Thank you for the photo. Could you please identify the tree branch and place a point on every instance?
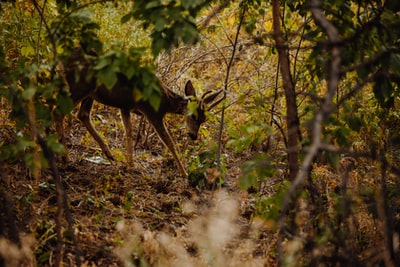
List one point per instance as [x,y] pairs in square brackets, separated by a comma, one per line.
[234,47]
[214,12]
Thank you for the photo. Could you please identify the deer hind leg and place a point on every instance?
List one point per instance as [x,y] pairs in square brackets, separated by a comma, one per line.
[143,133]
[84,117]
[126,119]
[141,129]
[168,142]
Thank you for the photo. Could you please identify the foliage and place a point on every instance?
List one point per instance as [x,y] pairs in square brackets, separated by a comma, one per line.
[248,136]
[170,21]
[269,208]
[255,171]
[203,172]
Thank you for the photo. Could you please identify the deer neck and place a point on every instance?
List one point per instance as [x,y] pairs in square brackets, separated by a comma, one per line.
[172,102]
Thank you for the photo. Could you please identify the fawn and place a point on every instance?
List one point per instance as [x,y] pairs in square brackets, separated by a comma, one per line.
[85,91]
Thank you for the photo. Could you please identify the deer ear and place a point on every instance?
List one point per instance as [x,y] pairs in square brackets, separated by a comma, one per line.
[210,97]
[189,89]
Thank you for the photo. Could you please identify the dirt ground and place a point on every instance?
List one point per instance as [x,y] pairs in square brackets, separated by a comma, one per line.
[115,206]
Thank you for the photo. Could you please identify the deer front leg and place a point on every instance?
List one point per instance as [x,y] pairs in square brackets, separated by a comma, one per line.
[84,117]
[126,119]
[159,126]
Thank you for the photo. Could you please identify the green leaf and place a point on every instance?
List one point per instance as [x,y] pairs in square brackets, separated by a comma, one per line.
[65,104]
[192,108]
[25,142]
[152,4]
[395,63]
[333,159]
[159,45]
[130,71]
[160,24]
[27,51]
[383,91]
[269,207]
[248,181]
[126,18]
[187,4]
[108,78]
[84,15]
[102,63]
[29,93]
[189,33]
[256,170]
[155,101]
[341,135]
[355,123]
[54,145]
[234,133]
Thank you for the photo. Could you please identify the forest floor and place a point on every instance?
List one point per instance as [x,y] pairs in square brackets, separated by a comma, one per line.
[147,214]
[144,213]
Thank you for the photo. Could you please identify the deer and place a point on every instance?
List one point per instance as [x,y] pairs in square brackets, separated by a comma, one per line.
[85,91]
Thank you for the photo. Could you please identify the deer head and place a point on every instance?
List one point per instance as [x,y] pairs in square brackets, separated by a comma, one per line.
[196,118]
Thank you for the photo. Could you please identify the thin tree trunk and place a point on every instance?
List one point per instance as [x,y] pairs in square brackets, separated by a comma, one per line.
[292,119]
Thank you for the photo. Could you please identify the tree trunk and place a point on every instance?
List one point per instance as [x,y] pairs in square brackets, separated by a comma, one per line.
[292,120]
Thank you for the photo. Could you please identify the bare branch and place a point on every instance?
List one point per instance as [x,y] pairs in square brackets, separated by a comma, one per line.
[234,47]
[214,12]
